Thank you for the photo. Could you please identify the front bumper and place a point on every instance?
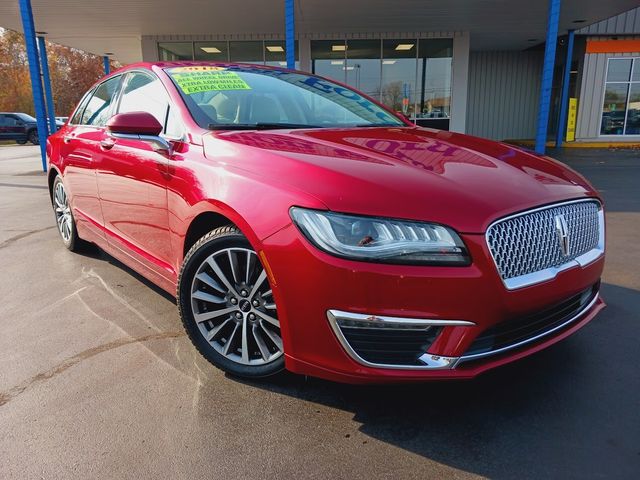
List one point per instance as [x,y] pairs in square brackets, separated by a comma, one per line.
[310,283]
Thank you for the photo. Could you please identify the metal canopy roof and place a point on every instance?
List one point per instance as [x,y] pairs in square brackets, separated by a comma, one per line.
[118,25]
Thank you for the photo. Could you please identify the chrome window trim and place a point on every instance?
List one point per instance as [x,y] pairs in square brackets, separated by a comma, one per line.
[475,356]
[431,362]
[540,276]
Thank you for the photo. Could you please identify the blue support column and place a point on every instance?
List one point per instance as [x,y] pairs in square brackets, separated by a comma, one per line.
[107,65]
[34,72]
[564,100]
[46,80]
[547,75]
[289,33]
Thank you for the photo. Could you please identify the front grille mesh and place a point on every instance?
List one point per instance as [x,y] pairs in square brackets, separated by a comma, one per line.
[530,243]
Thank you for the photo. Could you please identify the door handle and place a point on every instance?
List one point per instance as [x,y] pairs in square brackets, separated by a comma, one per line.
[67,139]
[107,143]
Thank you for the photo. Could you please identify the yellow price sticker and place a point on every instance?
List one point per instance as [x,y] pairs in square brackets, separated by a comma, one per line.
[207,79]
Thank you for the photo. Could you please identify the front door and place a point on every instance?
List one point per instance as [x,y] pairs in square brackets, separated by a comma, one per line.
[132,179]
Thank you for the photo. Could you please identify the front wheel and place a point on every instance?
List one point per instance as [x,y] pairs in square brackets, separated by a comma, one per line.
[227,306]
[21,141]
[33,137]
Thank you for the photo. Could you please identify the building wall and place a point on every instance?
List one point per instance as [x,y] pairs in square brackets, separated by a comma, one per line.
[503,94]
[594,73]
[627,22]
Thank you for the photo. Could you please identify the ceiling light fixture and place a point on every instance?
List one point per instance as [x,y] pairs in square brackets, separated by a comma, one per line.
[210,49]
[388,62]
[337,62]
[404,46]
[338,48]
[275,48]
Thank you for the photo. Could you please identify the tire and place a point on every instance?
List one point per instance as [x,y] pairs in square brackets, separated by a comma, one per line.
[32,136]
[227,306]
[21,141]
[64,217]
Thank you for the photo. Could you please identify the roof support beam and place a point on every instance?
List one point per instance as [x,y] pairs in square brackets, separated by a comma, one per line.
[564,100]
[547,75]
[34,72]
[46,80]
[289,24]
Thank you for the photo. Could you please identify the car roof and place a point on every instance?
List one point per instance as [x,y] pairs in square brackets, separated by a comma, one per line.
[193,63]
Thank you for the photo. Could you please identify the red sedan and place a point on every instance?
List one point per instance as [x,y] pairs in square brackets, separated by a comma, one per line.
[302,225]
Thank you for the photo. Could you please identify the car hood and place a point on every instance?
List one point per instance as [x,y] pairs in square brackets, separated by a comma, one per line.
[413,173]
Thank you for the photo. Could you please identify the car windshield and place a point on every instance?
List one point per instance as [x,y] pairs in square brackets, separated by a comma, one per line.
[25,118]
[246,97]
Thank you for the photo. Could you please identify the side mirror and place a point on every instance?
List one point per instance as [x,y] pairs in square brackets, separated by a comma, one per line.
[139,126]
[135,123]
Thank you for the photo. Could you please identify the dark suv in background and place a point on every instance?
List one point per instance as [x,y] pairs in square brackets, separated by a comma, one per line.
[20,127]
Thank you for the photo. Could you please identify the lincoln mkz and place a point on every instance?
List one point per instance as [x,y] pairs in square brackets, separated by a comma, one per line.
[302,225]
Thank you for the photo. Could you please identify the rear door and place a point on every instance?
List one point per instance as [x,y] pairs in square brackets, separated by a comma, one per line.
[81,152]
[132,180]
[4,127]
[11,127]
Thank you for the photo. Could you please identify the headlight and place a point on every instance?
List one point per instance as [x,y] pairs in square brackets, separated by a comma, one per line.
[382,240]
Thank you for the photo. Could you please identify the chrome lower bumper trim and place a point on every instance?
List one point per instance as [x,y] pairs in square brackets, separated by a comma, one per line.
[476,356]
[431,362]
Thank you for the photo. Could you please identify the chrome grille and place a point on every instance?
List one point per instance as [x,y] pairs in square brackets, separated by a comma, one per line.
[530,242]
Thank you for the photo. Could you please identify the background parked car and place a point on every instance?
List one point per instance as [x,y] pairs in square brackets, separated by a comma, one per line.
[21,127]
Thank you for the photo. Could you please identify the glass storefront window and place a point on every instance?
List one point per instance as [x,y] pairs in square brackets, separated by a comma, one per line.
[212,51]
[434,78]
[246,52]
[633,113]
[275,53]
[621,106]
[328,58]
[412,76]
[398,86]
[362,66]
[172,51]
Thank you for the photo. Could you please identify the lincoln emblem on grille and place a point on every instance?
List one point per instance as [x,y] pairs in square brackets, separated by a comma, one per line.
[563,233]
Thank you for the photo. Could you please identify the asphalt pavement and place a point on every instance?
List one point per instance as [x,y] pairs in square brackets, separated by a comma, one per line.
[97,379]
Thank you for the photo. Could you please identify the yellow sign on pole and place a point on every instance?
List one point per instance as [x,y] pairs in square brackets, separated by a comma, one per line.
[571,119]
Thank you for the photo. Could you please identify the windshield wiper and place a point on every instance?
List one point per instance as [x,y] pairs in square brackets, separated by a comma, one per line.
[257,126]
[381,125]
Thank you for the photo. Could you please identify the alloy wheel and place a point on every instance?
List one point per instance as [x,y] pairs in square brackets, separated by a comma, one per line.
[63,212]
[234,309]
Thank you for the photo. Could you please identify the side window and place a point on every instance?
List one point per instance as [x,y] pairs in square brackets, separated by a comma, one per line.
[11,121]
[77,115]
[3,121]
[145,93]
[97,111]
[173,128]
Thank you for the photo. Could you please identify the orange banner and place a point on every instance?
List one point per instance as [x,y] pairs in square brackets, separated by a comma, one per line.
[613,46]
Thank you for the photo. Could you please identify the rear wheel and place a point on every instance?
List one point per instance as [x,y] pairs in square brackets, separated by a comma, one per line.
[64,218]
[21,141]
[227,306]
[33,137]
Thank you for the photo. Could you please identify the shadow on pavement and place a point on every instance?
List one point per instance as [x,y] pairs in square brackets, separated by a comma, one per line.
[566,412]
